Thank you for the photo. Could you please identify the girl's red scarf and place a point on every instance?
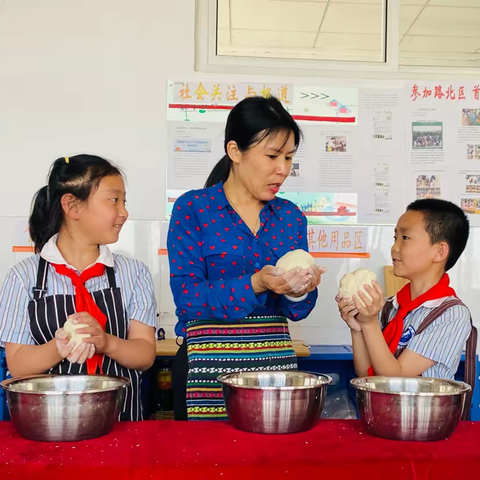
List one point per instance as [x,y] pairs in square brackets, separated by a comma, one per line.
[84,303]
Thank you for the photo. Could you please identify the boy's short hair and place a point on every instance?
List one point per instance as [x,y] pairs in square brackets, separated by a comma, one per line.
[444,222]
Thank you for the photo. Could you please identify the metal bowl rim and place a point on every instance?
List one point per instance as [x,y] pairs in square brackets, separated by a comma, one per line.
[223,380]
[464,387]
[7,385]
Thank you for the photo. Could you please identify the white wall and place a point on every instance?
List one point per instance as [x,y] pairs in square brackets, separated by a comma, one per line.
[90,76]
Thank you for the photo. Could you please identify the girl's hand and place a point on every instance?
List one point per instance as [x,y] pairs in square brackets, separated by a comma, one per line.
[66,348]
[98,339]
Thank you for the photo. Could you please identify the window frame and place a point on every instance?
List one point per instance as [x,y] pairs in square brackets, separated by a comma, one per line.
[207,60]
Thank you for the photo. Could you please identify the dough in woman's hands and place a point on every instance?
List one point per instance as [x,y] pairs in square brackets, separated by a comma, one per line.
[296,258]
[71,330]
[354,282]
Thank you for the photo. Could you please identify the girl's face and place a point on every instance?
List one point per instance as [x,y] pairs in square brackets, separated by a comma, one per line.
[102,216]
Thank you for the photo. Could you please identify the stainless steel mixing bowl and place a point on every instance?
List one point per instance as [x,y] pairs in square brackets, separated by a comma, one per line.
[274,402]
[418,409]
[65,408]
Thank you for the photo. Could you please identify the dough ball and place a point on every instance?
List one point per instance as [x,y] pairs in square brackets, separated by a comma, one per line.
[353,282]
[71,331]
[295,258]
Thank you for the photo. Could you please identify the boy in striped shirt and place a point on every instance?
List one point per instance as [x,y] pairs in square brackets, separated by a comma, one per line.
[425,326]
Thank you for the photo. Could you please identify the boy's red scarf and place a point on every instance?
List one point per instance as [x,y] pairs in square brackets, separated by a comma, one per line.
[393,331]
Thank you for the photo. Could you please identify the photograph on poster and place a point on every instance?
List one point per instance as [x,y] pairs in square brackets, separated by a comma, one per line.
[472,183]
[470,205]
[428,186]
[336,144]
[427,135]
[470,117]
[295,171]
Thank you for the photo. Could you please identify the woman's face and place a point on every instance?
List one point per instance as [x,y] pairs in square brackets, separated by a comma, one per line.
[263,168]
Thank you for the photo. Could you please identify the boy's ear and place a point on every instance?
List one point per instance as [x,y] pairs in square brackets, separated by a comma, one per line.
[442,252]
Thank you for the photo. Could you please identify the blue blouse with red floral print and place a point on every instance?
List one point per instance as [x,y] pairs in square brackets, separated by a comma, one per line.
[213,255]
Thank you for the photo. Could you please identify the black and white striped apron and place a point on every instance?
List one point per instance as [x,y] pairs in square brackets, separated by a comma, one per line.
[48,313]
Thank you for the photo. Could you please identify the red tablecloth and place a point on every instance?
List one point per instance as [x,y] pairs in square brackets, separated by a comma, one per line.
[197,450]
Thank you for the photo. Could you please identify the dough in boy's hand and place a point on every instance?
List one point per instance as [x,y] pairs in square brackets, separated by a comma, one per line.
[71,330]
[354,282]
[296,258]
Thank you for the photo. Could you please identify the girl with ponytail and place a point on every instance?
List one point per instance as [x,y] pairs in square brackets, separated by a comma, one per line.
[74,275]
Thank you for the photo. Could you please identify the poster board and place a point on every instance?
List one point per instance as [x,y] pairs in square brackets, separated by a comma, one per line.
[366,152]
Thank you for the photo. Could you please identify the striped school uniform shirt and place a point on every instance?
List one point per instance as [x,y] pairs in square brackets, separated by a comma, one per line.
[442,342]
[132,277]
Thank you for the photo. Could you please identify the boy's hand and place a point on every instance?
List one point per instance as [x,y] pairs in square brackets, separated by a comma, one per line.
[368,310]
[348,311]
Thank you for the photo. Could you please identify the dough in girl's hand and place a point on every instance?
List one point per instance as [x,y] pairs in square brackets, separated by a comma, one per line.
[296,258]
[354,282]
[71,330]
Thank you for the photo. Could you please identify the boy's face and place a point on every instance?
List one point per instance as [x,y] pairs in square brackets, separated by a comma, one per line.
[413,253]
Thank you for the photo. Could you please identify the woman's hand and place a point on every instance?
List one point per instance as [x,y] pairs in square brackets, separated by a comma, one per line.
[313,278]
[348,312]
[316,279]
[297,282]
[98,339]
[66,348]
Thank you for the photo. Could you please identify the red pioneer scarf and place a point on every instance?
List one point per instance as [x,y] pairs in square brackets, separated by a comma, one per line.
[393,331]
[84,303]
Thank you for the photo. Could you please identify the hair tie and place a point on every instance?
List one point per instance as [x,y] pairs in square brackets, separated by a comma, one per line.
[67,160]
